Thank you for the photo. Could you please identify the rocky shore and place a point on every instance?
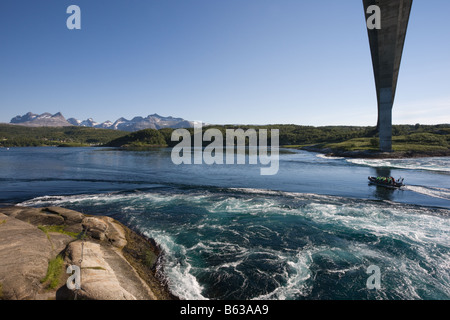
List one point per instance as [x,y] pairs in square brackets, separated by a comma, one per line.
[37,245]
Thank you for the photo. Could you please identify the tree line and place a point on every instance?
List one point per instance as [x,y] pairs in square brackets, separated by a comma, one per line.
[289,135]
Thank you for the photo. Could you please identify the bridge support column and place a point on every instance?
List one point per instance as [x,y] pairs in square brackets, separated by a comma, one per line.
[385,119]
[386,46]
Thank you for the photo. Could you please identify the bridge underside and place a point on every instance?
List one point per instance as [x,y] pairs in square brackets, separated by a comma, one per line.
[386,46]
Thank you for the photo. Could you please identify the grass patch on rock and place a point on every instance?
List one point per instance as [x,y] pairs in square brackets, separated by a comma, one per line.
[54,272]
[58,229]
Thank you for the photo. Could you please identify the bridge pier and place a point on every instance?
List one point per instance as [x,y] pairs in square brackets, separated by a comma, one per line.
[385,104]
[386,46]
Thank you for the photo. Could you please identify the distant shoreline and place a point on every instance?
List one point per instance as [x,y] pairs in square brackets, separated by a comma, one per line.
[423,138]
[357,154]
[369,154]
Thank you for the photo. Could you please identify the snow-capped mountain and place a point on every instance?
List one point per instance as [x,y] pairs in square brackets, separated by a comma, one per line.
[153,121]
[74,122]
[41,120]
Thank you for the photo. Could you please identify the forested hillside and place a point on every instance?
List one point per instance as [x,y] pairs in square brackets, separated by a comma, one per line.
[20,136]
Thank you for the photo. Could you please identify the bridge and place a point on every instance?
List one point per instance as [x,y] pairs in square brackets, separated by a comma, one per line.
[386,46]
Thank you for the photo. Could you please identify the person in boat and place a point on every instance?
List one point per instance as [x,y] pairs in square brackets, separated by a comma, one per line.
[381,180]
[389,181]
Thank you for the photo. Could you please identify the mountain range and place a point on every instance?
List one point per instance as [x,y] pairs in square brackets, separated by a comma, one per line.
[153,121]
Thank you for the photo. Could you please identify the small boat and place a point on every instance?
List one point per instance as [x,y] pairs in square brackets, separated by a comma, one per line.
[387,182]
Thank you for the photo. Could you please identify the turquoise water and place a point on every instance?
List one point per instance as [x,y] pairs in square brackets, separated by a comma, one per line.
[310,232]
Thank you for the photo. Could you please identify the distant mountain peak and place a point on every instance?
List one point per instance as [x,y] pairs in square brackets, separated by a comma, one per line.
[45,119]
[152,121]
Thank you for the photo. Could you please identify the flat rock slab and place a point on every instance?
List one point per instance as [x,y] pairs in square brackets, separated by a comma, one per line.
[24,254]
[105,274]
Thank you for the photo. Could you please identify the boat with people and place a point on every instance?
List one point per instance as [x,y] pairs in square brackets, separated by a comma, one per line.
[387,182]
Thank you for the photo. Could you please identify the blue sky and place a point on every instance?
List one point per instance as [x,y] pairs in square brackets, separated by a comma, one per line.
[218,61]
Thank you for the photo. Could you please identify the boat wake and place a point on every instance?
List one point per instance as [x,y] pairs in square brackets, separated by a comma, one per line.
[441,193]
[427,164]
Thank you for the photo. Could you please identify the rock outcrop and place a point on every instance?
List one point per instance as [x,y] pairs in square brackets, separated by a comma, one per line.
[38,244]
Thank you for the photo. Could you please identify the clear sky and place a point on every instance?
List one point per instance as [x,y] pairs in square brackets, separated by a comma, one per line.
[218,61]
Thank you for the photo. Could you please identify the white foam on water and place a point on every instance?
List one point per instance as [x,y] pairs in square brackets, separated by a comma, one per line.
[442,193]
[136,199]
[234,204]
[257,191]
[296,275]
[429,164]
[295,195]
[58,200]
[324,156]
[178,271]
[382,220]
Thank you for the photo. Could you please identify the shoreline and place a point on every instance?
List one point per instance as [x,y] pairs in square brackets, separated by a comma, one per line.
[330,152]
[368,154]
[136,260]
[38,244]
